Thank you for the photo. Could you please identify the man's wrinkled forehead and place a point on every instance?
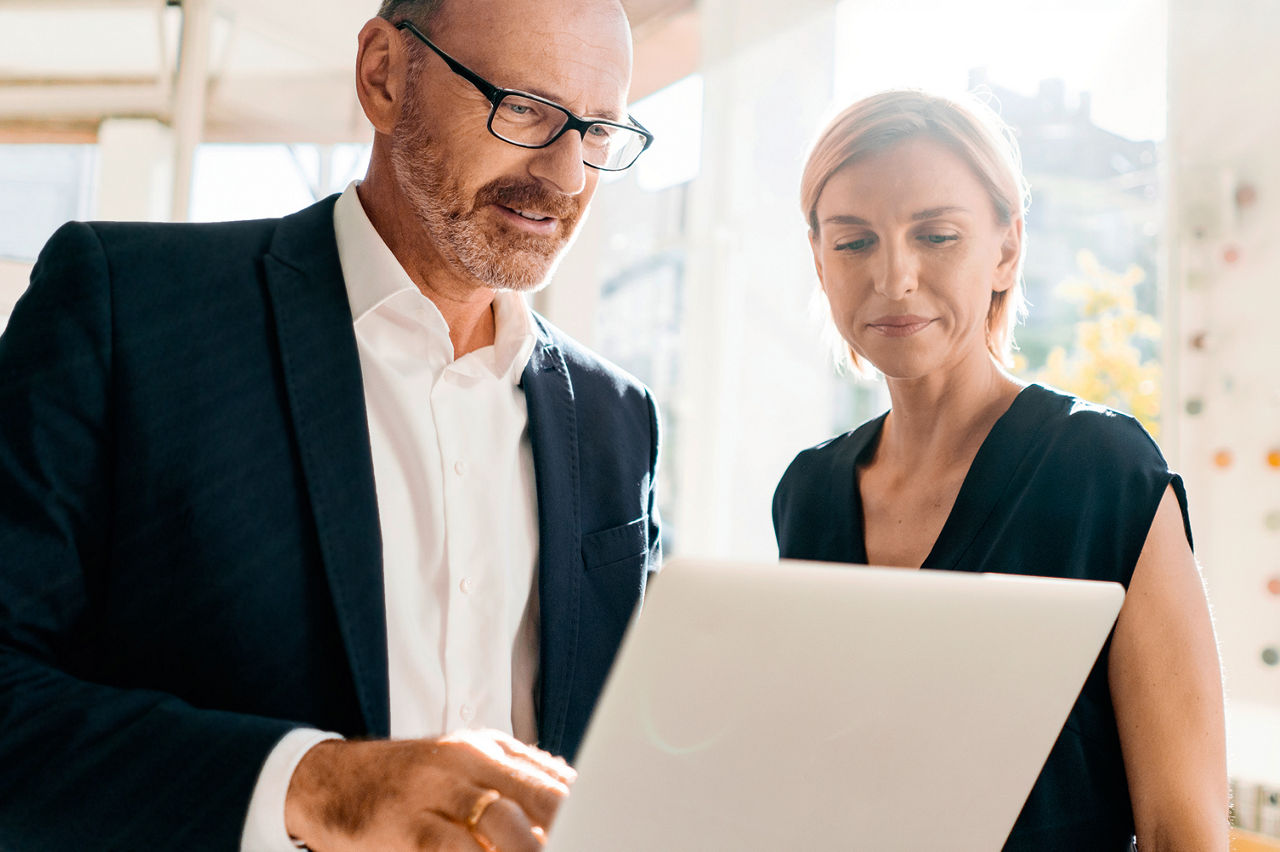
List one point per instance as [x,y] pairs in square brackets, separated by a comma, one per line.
[574,52]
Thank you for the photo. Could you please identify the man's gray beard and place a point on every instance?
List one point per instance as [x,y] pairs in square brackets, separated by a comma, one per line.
[438,202]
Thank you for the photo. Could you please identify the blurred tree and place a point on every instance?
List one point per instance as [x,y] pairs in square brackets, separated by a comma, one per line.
[1114,359]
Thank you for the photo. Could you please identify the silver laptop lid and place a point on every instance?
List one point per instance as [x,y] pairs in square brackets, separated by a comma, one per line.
[800,705]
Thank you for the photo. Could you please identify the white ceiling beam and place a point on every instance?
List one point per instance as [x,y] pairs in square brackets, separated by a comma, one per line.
[23,100]
[74,5]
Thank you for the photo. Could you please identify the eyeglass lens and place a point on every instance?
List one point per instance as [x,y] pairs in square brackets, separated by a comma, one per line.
[532,123]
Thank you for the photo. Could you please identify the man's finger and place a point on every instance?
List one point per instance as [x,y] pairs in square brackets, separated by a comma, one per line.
[549,763]
[486,763]
[505,826]
[437,832]
[539,796]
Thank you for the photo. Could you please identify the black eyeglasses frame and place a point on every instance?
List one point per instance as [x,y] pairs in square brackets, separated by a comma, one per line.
[495,95]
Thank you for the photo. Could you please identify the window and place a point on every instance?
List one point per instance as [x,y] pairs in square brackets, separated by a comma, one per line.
[1091,151]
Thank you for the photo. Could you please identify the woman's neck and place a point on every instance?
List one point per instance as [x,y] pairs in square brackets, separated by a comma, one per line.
[940,420]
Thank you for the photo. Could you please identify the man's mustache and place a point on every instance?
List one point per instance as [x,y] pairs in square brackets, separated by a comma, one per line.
[529,196]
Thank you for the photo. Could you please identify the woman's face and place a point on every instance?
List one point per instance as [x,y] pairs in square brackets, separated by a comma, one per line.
[909,251]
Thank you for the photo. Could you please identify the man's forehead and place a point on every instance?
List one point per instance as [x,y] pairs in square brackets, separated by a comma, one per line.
[575,52]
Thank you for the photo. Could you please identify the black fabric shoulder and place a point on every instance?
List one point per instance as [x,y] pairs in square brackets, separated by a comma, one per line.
[583,363]
[1104,435]
[1108,460]
[813,505]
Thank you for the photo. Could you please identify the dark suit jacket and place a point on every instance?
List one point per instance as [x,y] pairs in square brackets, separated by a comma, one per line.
[190,557]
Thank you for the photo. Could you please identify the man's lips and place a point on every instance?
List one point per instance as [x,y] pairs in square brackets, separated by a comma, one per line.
[899,325]
[521,218]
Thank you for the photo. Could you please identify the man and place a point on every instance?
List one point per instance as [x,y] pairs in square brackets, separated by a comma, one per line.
[268,484]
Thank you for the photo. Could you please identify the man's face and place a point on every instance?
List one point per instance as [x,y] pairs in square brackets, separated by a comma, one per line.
[500,214]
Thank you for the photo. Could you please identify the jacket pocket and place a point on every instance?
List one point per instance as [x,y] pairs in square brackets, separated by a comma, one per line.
[615,544]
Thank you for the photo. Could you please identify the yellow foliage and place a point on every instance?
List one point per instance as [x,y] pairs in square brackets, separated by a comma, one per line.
[1103,364]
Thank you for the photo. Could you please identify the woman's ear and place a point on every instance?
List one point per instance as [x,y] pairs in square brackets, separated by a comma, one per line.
[1010,253]
[381,63]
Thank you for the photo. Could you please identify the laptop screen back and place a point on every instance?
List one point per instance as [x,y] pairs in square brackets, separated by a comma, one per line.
[807,706]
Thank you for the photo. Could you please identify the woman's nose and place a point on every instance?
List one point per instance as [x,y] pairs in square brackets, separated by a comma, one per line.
[897,275]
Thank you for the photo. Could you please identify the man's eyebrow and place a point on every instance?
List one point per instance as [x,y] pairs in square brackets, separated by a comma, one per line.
[845,219]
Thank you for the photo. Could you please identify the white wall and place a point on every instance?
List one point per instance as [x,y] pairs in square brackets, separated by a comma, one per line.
[1223,345]
[759,388]
[13,280]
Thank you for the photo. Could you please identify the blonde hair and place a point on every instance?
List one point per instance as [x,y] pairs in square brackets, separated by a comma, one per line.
[965,125]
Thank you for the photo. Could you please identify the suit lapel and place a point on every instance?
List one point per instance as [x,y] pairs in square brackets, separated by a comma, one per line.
[553,434]
[326,401]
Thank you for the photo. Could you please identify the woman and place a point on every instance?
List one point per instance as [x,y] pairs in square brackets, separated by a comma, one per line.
[915,206]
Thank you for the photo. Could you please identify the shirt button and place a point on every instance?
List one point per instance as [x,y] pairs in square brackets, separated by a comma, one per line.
[466,585]
[460,467]
[467,712]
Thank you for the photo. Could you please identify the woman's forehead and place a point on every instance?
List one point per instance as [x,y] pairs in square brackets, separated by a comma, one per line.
[919,173]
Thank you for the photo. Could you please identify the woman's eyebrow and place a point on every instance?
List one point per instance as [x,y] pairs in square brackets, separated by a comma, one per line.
[934,212]
[931,213]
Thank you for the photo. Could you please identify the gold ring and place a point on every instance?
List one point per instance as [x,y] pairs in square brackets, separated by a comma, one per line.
[487,798]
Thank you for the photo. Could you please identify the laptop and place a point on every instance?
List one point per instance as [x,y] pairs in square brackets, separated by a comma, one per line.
[801,705]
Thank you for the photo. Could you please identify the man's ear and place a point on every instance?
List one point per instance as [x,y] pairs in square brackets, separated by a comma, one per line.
[1010,253]
[817,258]
[381,65]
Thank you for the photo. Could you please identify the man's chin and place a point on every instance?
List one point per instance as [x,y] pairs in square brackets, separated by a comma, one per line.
[519,272]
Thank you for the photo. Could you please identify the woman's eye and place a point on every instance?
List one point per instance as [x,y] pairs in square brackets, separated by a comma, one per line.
[939,239]
[855,245]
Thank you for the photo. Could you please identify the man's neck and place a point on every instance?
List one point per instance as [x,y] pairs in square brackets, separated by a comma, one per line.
[466,307]
[472,332]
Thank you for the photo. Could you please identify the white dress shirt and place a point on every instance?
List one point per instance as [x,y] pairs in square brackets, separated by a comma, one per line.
[457,508]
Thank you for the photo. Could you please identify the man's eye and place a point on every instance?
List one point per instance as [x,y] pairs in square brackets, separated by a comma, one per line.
[522,110]
[939,239]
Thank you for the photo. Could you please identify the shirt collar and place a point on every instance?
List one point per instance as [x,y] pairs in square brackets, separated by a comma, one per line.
[376,281]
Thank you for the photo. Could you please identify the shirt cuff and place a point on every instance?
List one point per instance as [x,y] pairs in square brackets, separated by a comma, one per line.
[264,829]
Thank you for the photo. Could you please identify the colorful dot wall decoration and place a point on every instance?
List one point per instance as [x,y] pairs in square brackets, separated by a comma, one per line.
[1195,406]
[1246,195]
[1222,459]
[1271,656]
[1273,459]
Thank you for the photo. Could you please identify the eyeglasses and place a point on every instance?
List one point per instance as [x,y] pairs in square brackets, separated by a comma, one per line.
[532,122]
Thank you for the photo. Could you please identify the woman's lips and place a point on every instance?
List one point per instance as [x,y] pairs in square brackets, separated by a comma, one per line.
[903,325]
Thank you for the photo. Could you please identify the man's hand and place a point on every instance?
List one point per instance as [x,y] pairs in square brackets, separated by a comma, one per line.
[473,791]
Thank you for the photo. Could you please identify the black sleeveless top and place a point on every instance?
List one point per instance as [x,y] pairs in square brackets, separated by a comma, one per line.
[1059,488]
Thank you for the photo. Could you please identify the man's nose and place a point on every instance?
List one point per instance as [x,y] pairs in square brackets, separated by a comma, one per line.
[560,164]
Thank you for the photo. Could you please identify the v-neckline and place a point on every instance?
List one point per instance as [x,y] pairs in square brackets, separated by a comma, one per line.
[981,490]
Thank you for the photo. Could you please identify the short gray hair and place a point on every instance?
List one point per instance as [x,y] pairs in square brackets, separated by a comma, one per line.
[421,12]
